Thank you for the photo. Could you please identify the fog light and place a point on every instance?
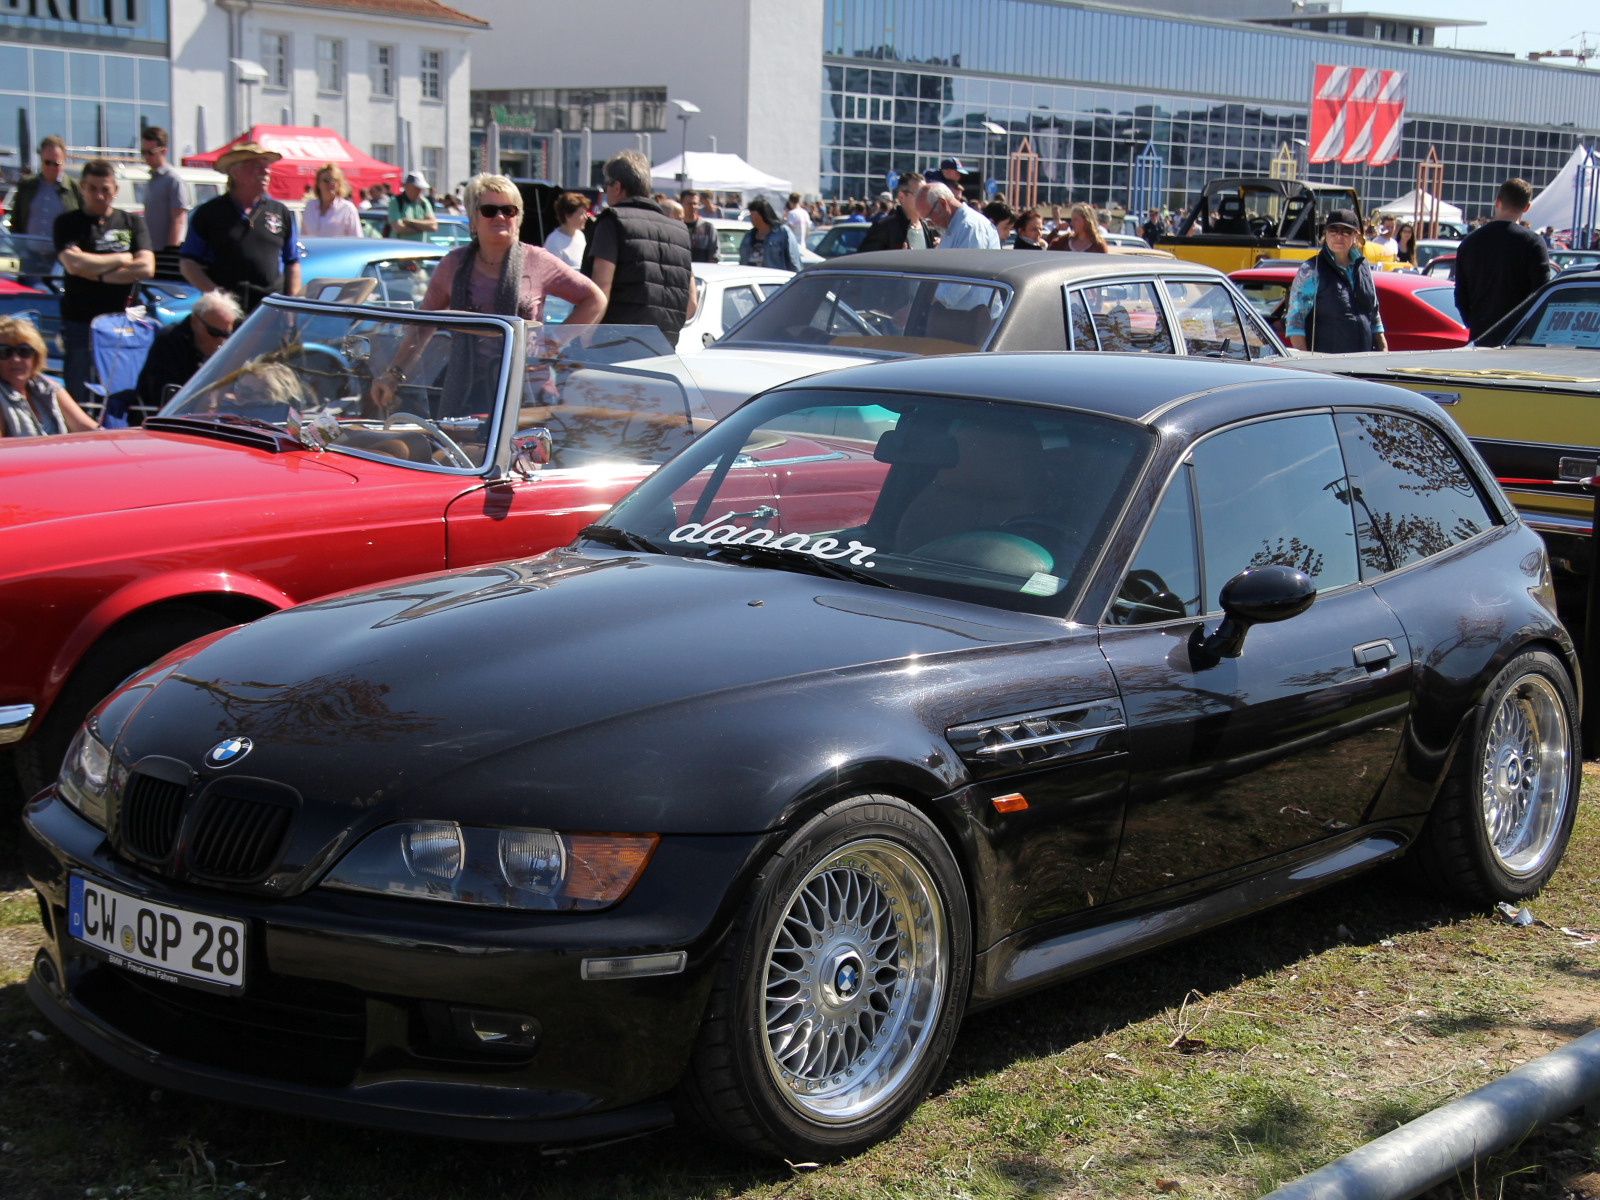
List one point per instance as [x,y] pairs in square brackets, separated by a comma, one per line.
[433,848]
[635,967]
[496,1030]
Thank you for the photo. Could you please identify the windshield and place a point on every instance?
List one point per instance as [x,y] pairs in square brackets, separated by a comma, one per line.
[1442,300]
[876,314]
[1568,316]
[429,391]
[997,503]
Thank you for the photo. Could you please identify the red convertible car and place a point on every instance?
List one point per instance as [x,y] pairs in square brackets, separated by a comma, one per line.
[276,476]
[1419,312]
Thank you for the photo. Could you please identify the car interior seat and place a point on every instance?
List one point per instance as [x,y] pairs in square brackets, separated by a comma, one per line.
[1231,216]
[998,474]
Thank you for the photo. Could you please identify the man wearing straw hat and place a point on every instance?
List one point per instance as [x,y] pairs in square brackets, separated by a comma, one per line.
[243,241]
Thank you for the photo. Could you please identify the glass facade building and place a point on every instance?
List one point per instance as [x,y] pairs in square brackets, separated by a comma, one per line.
[94,83]
[906,82]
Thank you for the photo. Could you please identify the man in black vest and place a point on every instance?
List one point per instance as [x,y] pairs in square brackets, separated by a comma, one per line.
[1333,303]
[243,241]
[639,256]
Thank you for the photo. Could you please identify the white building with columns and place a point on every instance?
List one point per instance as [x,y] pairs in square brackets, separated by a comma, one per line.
[393,77]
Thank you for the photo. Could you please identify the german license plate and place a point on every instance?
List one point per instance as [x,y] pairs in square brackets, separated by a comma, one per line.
[158,940]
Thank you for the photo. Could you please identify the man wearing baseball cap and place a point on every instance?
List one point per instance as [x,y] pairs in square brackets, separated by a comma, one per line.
[950,173]
[1333,303]
[411,213]
[243,240]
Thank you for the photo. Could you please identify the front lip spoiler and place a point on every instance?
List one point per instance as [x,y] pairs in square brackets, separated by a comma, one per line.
[408,1113]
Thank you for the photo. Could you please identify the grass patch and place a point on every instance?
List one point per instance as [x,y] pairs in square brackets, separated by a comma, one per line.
[1324,1024]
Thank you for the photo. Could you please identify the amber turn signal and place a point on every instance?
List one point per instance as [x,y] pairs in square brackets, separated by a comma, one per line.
[1012,803]
[604,866]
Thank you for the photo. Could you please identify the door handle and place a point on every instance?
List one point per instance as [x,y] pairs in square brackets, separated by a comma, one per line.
[1374,654]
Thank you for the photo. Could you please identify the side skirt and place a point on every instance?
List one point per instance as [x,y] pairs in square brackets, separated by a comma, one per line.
[1045,955]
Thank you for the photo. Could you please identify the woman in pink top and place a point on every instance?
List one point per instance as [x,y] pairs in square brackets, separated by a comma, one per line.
[493,273]
[331,214]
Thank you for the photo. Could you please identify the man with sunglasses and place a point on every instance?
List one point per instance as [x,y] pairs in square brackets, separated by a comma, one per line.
[179,350]
[904,228]
[1333,303]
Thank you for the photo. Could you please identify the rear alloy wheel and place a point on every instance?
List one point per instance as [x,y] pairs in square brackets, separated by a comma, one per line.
[841,989]
[1503,817]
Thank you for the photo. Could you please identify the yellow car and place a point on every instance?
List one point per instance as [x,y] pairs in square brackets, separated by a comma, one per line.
[1530,402]
[1236,222]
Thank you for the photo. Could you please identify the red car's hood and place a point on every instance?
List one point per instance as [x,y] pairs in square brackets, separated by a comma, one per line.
[48,479]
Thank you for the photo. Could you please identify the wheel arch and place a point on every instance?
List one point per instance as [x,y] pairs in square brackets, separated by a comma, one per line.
[228,594]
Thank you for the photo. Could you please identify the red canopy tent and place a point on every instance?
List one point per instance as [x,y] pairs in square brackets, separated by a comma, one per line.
[306,150]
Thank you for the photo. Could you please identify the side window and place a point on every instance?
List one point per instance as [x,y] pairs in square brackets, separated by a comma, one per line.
[1259,344]
[1413,498]
[1275,492]
[1207,319]
[1164,582]
[1079,326]
[737,304]
[1128,317]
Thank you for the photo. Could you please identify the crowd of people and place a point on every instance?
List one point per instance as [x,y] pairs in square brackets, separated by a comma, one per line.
[627,258]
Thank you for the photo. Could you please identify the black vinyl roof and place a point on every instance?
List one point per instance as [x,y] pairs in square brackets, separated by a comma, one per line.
[1014,267]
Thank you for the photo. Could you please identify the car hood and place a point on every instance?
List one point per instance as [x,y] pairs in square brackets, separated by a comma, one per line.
[54,478]
[1536,367]
[562,691]
[729,377]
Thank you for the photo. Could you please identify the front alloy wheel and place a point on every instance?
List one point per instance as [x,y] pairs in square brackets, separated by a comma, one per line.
[841,988]
[1526,760]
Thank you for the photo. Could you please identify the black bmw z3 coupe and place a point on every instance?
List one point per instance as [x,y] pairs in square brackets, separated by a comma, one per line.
[902,691]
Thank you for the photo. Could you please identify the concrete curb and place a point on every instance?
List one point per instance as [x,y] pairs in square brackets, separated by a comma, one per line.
[1448,1141]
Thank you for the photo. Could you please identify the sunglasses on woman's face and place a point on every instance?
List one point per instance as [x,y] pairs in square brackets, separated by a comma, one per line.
[492,211]
[1341,231]
[215,332]
[23,352]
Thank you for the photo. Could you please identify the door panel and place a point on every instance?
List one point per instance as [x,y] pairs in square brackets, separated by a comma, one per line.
[1239,759]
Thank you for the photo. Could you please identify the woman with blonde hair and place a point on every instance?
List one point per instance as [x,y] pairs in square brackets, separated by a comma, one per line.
[1082,233]
[493,273]
[331,214]
[30,404]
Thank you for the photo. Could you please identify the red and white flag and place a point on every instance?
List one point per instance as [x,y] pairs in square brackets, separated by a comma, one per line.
[1356,114]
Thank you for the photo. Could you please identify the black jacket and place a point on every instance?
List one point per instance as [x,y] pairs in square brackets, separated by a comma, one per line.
[890,234]
[173,358]
[22,199]
[1497,268]
[654,271]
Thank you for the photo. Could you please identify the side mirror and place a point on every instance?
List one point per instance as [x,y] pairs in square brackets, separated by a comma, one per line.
[1255,596]
[531,451]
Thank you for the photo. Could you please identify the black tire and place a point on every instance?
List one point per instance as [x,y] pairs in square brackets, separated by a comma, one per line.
[1456,853]
[135,643]
[733,1084]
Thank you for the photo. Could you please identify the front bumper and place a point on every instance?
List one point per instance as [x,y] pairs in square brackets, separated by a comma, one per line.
[347,1014]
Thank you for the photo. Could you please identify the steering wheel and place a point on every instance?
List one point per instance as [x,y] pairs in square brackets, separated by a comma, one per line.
[1263,226]
[1066,537]
[1149,592]
[457,455]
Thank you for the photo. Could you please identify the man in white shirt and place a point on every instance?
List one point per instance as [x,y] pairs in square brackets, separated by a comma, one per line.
[1386,237]
[797,219]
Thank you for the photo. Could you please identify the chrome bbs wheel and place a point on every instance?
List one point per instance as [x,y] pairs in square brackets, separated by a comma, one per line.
[855,980]
[1526,760]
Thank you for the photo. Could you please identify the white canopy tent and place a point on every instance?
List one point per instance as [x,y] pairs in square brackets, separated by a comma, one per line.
[1553,206]
[710,172]
[1406,206]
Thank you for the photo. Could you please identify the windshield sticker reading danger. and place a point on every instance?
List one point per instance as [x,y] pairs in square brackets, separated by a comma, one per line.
[716,533]
[1569,325]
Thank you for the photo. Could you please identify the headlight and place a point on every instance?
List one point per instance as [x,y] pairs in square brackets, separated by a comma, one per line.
[82,782]
[507,868]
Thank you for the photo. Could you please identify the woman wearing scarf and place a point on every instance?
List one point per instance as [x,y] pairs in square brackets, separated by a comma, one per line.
[32,405]
[493,273]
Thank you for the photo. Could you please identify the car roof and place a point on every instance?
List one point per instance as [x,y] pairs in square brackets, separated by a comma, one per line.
[391,247]
[722,270]
[1131,386]
[1012,267]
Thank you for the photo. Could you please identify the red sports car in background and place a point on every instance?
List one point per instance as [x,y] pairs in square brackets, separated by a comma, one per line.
[1419,312]
[275,477]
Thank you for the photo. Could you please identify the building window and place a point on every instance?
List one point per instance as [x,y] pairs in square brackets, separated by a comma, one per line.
[275,58]
[1338,27]
[1414,35]
[432,75]
[384,152]
[433,167]
[868,108]
[330,66]
[381,69]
